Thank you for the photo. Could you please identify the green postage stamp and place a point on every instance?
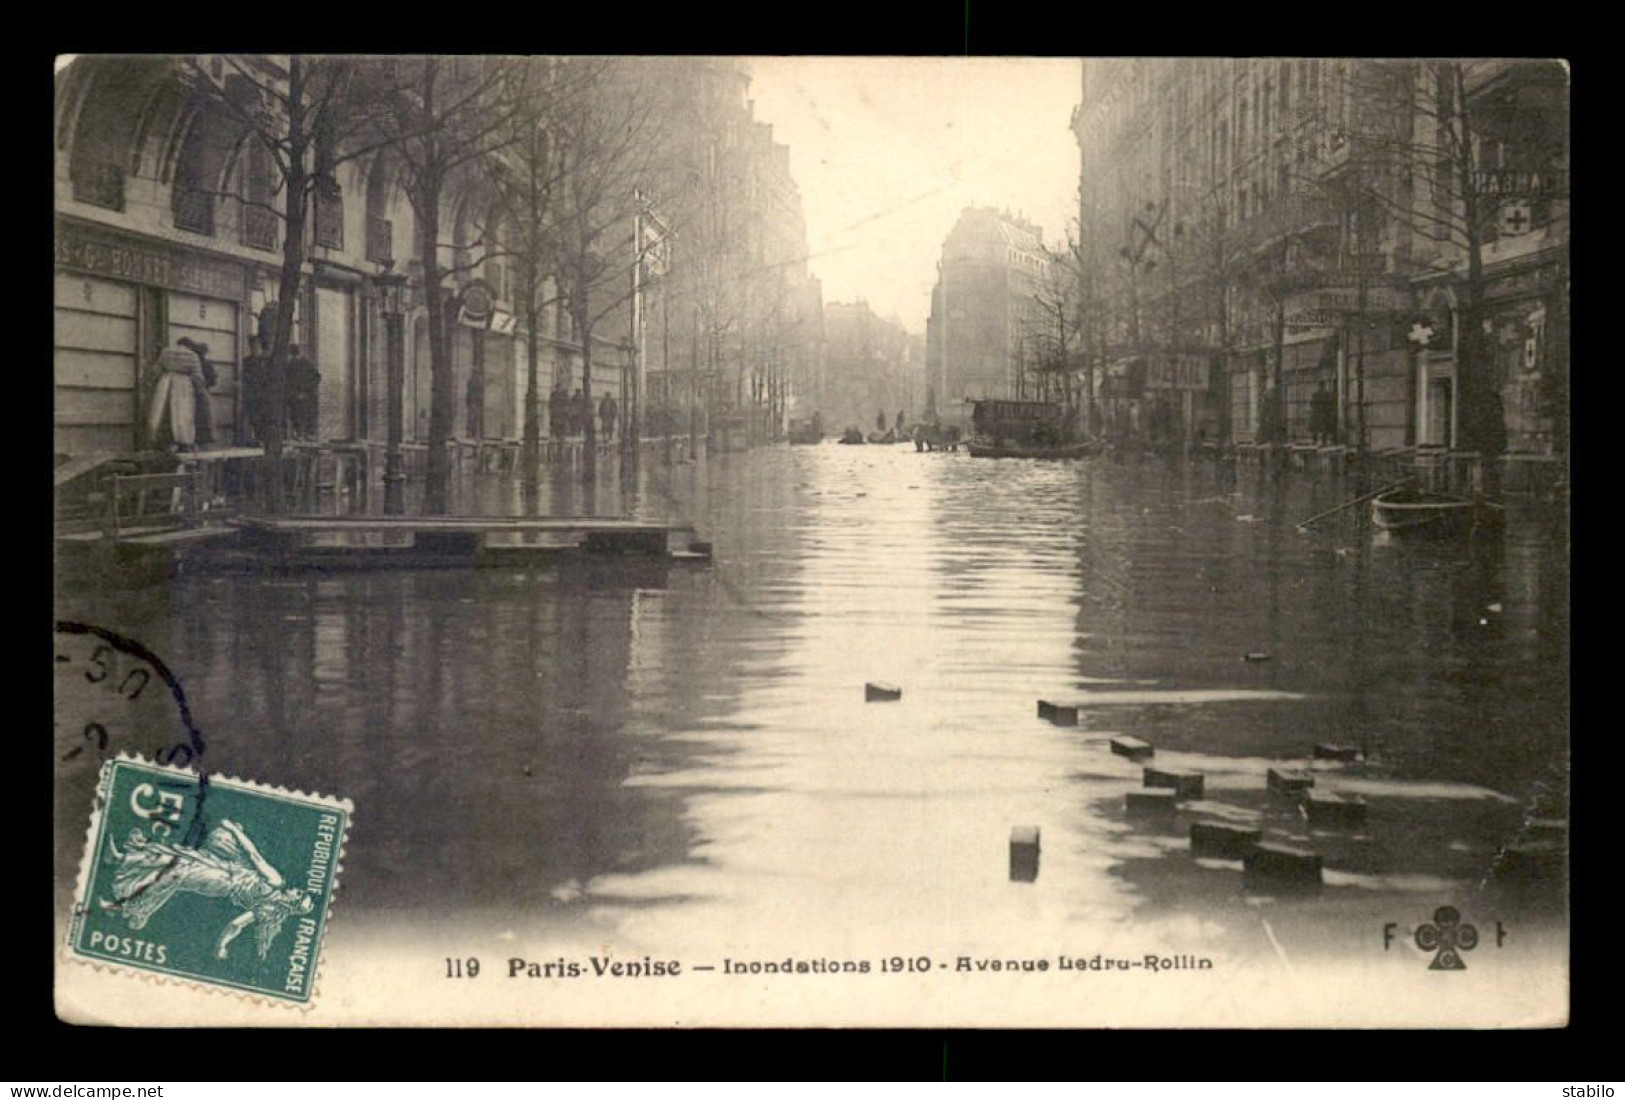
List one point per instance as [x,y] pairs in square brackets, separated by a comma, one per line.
[208,880]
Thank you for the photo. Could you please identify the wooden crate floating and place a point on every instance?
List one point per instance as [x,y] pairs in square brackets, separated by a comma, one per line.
[1132,747]
[1024,853]
[875,692]
[1216,840]
[1062,714]
[1332,808]
[1337,752]
[1281,868]
[1152,803]
[1292,781]
[1183,784]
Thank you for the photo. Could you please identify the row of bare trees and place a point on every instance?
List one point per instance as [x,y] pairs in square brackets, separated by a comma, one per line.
[558,149]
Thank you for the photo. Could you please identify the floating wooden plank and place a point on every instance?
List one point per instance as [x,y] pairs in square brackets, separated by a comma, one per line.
[1183,784]
[881,693]
[1326,751]
[1216,840]
[1151,803]
[1281,868]
[1289,780]
[1184,698]
[1332,808]
[1134,748]
[1062,714]
[1024,853]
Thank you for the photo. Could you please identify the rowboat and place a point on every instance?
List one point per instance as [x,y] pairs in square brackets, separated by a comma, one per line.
[981,448]
[1419,513]
[1026,429]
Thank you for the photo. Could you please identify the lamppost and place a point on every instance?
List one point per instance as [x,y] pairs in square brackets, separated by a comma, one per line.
[392,301]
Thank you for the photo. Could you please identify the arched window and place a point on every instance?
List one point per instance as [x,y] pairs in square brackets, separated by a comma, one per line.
[101,114]
[497,265]
[258,195]
[192,194]
[328,203]
[380,230]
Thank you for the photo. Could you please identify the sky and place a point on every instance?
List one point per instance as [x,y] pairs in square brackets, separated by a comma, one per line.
[887,152]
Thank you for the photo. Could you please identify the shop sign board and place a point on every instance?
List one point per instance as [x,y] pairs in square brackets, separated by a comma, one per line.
[151,263]
[1176,372]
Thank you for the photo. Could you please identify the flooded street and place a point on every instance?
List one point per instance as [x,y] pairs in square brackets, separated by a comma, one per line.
[677,761]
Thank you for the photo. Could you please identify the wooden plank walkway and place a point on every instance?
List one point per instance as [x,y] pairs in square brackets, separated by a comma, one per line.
[293,525]
[367,541]
[145,536]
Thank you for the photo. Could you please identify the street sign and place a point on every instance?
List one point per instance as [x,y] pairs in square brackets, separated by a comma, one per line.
[1514,183]
[1516,219]
[1314,318]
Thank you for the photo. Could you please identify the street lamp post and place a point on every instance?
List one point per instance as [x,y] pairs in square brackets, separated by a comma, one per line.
[392,295]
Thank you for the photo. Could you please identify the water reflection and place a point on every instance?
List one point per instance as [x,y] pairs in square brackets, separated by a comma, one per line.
[665,754]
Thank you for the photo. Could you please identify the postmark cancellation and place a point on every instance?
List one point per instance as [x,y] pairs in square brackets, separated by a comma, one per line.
[208,881]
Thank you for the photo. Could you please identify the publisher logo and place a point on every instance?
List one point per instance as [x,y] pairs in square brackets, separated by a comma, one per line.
[1446,936]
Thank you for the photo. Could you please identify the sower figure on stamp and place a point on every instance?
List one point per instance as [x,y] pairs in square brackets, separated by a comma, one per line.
[229,865]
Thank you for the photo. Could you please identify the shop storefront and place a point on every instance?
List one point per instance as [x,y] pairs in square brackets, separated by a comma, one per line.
[119,300]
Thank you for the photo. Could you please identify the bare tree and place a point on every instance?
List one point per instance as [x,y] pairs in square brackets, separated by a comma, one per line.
[442,116]
[606,138]
[1054,319]
[304,115]
[527,178]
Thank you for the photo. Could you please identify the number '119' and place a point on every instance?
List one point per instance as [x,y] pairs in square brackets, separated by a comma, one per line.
[463,968]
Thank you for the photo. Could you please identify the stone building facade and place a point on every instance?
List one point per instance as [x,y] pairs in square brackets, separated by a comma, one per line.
[167,227]
[983,311]
[1276,225]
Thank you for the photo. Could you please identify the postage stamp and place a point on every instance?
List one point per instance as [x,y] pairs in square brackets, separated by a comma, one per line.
[179,865]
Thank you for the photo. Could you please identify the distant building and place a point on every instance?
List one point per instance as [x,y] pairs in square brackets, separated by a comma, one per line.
[738,313]
[982,310]
[870,367]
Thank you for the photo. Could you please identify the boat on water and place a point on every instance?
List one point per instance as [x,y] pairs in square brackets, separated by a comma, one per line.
[1421,513]
[981,448]
[1027,429]
[807,431]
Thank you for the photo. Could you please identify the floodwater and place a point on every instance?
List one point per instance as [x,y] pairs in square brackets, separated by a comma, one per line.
[678,761]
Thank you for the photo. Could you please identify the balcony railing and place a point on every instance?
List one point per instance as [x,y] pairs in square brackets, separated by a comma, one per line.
[380,239]
[1288,215]
[100,184]
[194,209]
[259,228]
